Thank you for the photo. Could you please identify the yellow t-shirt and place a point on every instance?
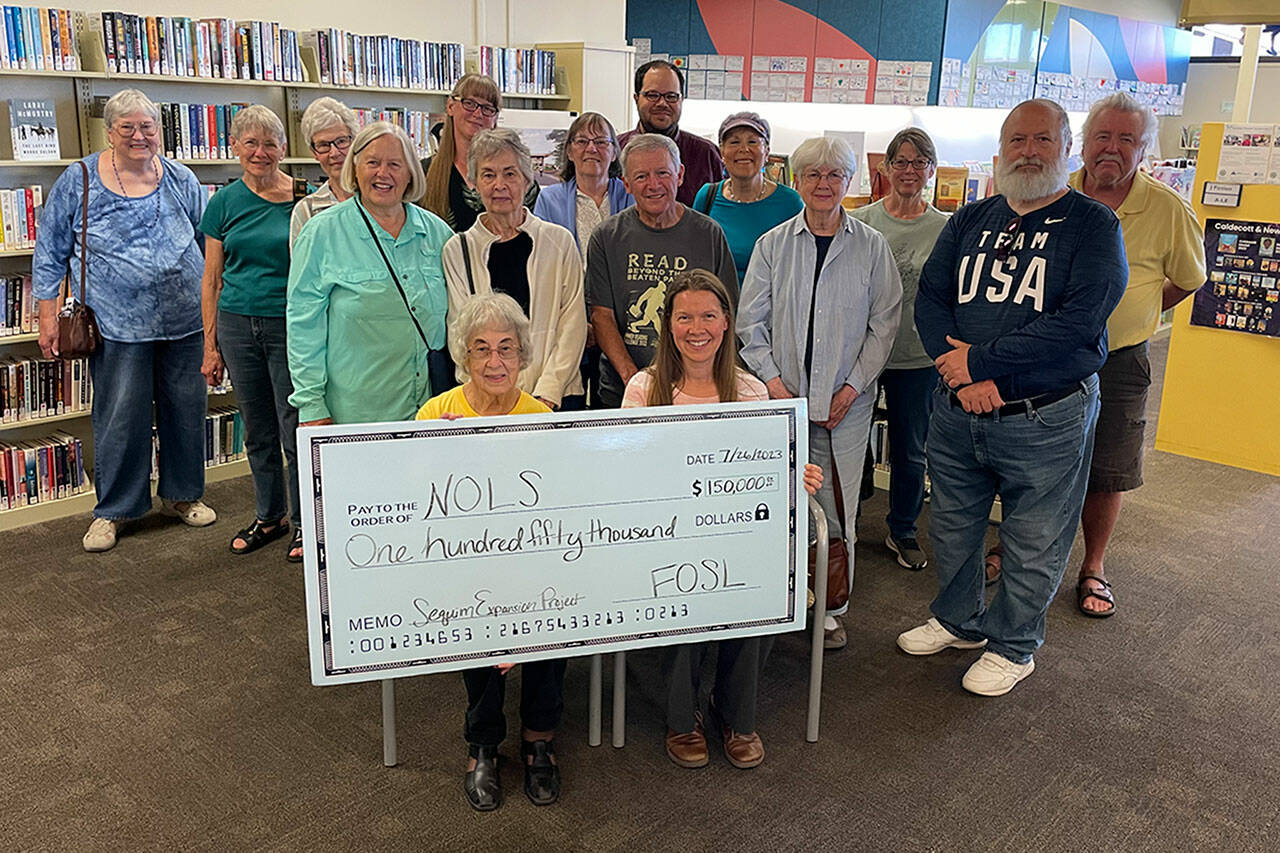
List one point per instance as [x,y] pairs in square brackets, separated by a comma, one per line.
[455,401]
[1162,239]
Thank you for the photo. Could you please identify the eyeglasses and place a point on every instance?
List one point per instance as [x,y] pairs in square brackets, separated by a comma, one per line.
[585,143]
[128,131]
[1004,240]
[471,105]
[506,352]
[268,145]
[813,176]
[653,96]
[342,143]
[901,164]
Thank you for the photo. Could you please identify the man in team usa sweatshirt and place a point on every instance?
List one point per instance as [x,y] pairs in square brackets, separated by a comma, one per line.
[1013,307]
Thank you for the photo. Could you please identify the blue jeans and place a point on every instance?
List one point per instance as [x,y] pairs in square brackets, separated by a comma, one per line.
[909,397]
[845,449]
[258,363]
[129,379]
[1038,462]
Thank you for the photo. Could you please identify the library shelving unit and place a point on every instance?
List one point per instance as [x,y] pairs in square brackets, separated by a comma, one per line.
[75,95]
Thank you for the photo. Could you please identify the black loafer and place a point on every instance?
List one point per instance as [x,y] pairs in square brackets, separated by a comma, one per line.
[542,775]
[482,785]
[255,537]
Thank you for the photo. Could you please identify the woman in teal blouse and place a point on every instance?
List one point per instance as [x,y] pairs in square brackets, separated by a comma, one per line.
[359,337]
[246,268]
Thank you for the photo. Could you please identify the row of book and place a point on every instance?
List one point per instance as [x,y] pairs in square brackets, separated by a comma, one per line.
[18,315]
[38,39]
[216,48]
[34,388]
[350,59]
[20,209]
[40,470]
[223,439]
[197,131]
[416,123]
[518,70]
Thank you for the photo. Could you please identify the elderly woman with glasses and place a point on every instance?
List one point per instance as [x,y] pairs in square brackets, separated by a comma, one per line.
[911,225]
[818,316]
[490,337]
[367,294]
[592,188]
[246,270]
[144,286]
[510,250]
[328,126]
[473,106]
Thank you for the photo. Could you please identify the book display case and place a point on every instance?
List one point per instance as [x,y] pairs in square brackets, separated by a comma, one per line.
[352,63]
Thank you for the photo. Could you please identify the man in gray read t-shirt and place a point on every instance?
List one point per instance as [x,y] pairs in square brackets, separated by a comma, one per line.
[633,256]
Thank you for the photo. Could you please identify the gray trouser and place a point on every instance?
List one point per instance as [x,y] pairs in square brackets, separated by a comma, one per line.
[738,665]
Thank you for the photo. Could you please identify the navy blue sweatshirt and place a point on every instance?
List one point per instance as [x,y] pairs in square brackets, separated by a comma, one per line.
[1037,321]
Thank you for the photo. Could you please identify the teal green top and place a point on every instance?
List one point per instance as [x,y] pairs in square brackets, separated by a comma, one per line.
[744,222]
[255,248]
[354,354]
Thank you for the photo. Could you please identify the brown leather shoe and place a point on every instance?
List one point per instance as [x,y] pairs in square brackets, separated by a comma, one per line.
[688,749]
[743,751]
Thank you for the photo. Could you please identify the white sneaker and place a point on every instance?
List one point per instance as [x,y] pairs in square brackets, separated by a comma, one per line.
[993,675]
[101,535]
[194,513]
[931,638]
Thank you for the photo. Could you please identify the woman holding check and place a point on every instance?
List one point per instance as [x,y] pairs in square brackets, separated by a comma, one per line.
[697,362]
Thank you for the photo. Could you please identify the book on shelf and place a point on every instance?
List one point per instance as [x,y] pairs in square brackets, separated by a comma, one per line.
[951,188]
[381,61]
[416,123]
[223,439]
[38,39]
[18,314]
[209,48]
[20,209]
[517,70]
[40,470]
[34,388]
[33,130]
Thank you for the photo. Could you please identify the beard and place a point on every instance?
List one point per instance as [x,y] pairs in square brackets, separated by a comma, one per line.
[1029,186]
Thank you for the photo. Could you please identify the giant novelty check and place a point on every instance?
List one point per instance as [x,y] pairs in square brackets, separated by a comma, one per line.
[444,545]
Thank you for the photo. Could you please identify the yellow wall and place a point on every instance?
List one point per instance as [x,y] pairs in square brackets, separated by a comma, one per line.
[1222,388]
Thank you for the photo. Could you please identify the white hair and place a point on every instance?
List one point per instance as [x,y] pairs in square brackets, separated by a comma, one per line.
[642,142]
[324,113]
[126,102]
[257,117]
[370,132]
[488,144]
[496,311]
[830,151]
[1125,103]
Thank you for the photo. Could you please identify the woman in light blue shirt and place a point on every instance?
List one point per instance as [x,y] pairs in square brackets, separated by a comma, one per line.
[144,264]
[358,335]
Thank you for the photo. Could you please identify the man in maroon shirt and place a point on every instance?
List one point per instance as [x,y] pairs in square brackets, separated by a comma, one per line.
[659,97]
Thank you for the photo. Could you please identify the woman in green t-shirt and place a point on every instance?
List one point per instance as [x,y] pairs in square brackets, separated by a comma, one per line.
[246,271]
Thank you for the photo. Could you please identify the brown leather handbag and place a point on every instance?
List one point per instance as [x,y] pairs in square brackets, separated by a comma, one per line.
[837,572]
[78,334]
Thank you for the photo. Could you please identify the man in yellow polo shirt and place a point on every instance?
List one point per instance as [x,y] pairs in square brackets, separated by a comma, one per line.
[1165,248]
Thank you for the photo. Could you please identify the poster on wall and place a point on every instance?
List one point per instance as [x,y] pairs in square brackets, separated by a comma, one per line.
[1243,291]
[1246,153]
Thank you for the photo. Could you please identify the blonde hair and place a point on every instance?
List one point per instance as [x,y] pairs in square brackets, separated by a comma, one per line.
[435,197]
[368,134]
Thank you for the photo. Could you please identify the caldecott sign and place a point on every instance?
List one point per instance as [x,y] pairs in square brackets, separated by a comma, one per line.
[443,545]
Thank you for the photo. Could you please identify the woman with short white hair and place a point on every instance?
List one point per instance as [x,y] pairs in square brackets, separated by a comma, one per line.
[144,286]
[328,126]
[246,270]
[366,291]
[510,250]
[818,316]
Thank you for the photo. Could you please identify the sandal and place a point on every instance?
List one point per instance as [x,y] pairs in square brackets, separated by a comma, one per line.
[992,563]
[1083,593]
[255,536]
[295,547]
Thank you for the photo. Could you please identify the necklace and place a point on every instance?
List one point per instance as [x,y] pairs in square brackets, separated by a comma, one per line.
[155,170]
[728,192]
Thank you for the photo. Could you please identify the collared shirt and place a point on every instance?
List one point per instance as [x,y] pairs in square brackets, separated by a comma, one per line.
[1162,239]
[589,215]
[855,317]
[145,261]
[322,199]
[354,352]
[700,158]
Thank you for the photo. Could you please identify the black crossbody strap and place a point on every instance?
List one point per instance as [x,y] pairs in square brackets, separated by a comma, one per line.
[394,277]
[466,259]
[711,197]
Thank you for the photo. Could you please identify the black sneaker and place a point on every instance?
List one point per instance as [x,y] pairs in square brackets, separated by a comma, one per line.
[908,552]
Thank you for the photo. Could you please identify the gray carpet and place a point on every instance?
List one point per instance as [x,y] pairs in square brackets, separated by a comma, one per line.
[157,698]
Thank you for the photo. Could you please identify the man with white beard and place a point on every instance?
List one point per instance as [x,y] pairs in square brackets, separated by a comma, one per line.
[1012,307]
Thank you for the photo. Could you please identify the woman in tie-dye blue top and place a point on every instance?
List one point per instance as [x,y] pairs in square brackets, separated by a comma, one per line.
[144,266]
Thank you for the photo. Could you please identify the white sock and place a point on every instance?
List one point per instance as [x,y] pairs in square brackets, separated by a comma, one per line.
[830,623]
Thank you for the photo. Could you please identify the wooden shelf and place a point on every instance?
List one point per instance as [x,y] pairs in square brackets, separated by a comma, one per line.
[29,337]
[84,502]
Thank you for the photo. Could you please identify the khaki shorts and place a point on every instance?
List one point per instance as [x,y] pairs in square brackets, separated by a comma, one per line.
[1122,421]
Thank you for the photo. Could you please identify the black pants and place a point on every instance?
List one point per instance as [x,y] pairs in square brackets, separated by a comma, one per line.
[738,665]
[541,700]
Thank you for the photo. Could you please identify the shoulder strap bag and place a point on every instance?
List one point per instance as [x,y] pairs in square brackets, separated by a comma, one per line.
[78,334]
[711,197]
[466,260]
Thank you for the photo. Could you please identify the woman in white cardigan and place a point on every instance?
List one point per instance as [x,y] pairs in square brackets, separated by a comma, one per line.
[509,250]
